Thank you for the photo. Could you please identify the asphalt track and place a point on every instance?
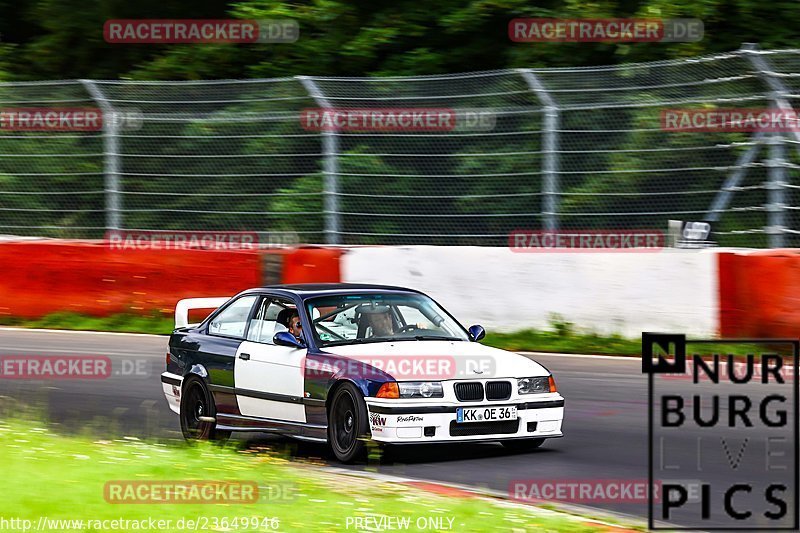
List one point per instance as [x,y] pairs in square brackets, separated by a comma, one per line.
[605,424]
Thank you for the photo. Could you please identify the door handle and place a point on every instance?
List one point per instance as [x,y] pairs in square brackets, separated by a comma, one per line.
[244,356]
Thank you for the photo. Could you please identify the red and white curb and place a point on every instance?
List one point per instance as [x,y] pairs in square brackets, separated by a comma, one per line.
[590,516]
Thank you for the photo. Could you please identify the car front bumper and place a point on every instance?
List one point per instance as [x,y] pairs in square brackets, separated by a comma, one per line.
[415,422]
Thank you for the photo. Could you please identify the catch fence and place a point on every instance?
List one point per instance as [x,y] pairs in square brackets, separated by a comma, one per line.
[523,149]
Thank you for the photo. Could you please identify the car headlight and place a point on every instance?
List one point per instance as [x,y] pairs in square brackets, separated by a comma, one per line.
[421,389]
[536,385]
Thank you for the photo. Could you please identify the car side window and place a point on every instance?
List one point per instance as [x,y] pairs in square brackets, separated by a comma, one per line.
[333,324]
[232,320]
[265,323]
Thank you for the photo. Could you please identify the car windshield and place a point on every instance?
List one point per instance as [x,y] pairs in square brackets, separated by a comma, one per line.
[377,317]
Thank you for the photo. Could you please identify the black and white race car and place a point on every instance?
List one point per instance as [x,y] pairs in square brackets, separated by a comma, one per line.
[344,363]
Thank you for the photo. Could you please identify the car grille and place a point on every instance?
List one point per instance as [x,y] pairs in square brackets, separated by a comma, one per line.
[498,390]
[469,392]
[483,428]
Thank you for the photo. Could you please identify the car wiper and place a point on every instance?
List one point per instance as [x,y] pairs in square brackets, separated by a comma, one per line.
[343,342]
[435,338]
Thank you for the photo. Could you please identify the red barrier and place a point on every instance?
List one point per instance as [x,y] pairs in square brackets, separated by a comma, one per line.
[312,265]
[43,277]
[39,278]
[760,294]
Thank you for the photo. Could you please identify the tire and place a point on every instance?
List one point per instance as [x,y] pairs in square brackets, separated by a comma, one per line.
[522,445]
[348,426]
[196,401]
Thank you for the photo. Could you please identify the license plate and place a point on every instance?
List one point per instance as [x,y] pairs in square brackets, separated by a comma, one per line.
[485,414]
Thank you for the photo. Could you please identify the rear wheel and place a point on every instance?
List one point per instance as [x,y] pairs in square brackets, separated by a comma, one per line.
[522,445]
[197,411]
[348,427]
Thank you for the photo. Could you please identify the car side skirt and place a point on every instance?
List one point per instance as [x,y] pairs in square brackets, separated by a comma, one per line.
[298,430]
[235,421]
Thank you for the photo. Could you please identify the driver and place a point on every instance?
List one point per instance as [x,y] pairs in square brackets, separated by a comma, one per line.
[381,323]
[378,318]
[295,326]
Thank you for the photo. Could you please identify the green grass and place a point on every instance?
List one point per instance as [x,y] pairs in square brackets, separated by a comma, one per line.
[591,343]
[534,340]
[156,323]
[564,337]
[63,478]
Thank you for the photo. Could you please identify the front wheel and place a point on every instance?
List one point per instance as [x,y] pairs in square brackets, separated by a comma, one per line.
[348,426]
[522,445]
[197,407]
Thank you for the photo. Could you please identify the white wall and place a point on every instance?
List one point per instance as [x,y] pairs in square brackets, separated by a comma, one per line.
[622,292]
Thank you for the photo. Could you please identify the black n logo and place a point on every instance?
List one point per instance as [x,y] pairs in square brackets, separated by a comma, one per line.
[663,346]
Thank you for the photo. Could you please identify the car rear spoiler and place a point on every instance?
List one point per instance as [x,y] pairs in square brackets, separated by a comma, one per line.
[183,307]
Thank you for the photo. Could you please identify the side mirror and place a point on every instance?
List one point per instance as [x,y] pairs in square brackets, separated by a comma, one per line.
[284,338]
[476,333]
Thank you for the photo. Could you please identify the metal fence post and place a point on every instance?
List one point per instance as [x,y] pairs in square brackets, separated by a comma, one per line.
[330,170]
[776,192]
[550,183]
[776,215]
[113,188]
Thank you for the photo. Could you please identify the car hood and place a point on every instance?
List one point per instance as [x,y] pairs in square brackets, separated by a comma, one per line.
[464,357]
